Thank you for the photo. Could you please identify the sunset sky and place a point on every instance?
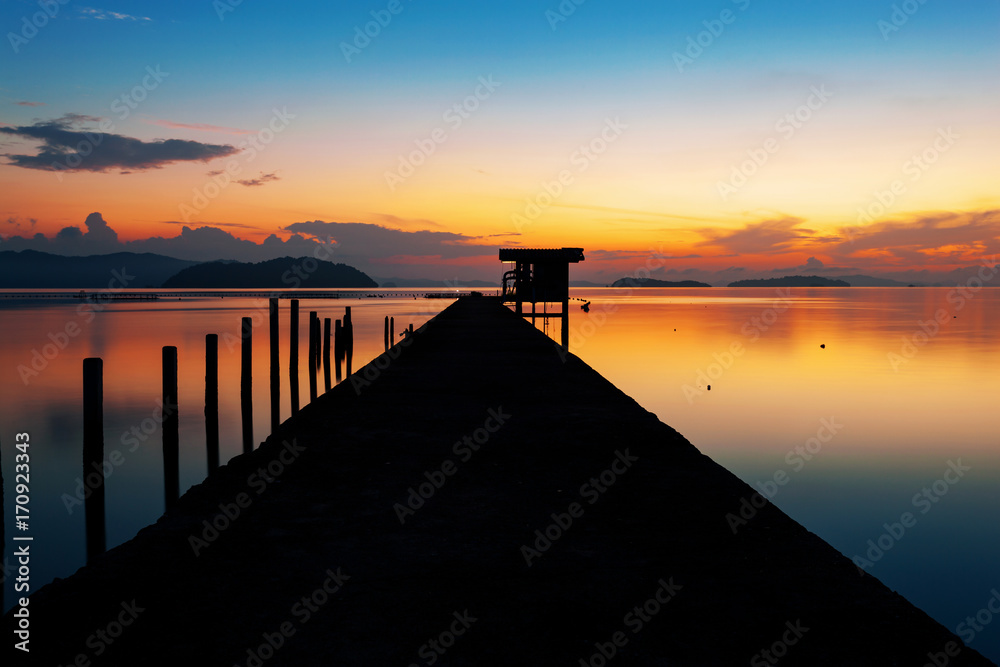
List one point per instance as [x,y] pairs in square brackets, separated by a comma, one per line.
[716,136]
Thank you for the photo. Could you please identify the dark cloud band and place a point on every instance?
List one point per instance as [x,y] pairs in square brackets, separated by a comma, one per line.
[68,147]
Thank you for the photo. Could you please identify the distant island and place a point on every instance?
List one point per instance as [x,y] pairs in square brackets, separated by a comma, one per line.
[284,272]
[121,270]
[653,282]
[871,281]
[791,281]
[410,283]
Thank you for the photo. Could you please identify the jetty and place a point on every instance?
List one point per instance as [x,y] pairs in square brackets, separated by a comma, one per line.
[476,496]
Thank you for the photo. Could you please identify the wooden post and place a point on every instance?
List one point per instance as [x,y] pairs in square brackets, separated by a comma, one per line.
[171,438]
[319,343]
[565,313]
[348,342]
[246,382]
[386,335]
[338,347]
[275,372]
[313,336]
[212,400]
[326,353]
[392,331]
[93,454]
[293,356]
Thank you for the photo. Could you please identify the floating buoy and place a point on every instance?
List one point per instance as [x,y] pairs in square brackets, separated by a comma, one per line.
[710,387]
[823,346]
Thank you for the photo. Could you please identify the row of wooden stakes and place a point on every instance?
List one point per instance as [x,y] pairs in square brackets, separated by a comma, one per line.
[319,356]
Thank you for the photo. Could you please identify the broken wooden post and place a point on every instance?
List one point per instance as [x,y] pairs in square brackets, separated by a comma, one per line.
[246,383]
[293,356]
[348,342]
[326,353]
[212,400]
[313,361]
[93,455]
[338,348]
[275,372]
[171,438]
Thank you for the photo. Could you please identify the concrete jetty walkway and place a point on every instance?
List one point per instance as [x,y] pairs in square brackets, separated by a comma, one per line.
[477,500]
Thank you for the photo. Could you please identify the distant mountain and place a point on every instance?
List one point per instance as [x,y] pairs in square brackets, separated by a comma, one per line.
[405,283]
[872,281]
[792,281]
[32,269]
[284,272]
[653,282]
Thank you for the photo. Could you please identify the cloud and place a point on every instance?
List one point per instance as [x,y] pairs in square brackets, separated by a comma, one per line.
[14,220]
[260,180]
[234,225]
[201,127]
[365,246]
[25,103]
[765,237]
[198,244]
[945,238]
[396,221]
[356,240]
[66,146]
[103,15]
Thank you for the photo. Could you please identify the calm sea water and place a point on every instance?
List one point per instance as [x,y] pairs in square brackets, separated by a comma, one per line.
[851,408]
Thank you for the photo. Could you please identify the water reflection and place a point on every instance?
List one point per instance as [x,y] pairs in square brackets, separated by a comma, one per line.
[779,363]
[129,336]
[909,373]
